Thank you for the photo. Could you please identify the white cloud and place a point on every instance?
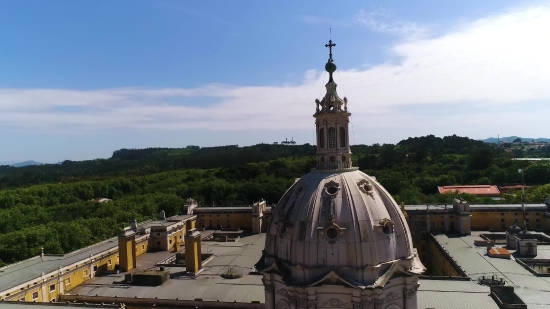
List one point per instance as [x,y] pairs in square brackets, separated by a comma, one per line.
[481,68]
[381,21]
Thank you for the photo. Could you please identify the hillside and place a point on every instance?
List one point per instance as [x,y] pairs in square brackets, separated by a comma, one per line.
[511,139]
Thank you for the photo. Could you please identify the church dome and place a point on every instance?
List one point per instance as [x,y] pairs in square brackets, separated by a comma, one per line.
[340,221]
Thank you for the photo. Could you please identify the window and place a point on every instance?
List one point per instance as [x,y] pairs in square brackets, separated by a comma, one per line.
[501,220]
[68,281]
[442,224]
[423,224]
[537,214]
[422,236]
[158,234]
[158,243]
[85,272]
[170,241]
[109,262]
[537,220]
[52,288]
[502,214]
[95,268]
[142,247]
[515,213]
[331,138]
[180,236]
[342,137]
[34,295]
[432,223]
[322,138]
[526,213]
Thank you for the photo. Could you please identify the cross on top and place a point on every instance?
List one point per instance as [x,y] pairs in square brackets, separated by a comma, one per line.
[330,45]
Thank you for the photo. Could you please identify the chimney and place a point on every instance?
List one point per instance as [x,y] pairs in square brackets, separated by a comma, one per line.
[162,215]
[42,253]
[133,226]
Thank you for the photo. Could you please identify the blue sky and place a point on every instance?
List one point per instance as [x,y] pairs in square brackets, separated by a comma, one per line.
[80,79]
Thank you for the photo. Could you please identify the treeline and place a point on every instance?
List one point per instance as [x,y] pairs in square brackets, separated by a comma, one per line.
[52,206]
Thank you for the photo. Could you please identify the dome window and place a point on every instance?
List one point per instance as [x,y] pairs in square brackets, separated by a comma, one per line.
[332,190]
[387,226]
[332,233]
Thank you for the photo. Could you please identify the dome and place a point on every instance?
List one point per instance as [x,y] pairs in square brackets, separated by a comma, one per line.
[340,221]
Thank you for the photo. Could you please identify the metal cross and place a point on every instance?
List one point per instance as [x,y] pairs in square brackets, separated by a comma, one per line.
[330,45]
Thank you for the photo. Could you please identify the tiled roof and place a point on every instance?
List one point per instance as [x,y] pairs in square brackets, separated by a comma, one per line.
[489,190]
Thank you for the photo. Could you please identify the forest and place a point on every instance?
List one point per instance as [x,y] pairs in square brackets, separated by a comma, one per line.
[53,206]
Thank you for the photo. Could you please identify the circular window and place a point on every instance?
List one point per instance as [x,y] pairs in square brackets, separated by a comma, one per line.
[332,233]
[332,190]
[332,159]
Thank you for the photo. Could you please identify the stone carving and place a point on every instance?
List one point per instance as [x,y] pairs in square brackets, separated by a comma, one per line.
[409,293]
[366,187]
[335,303]
[283,304]
[391,296]
[284,293]
[301,303]
[312,304]
[357,306]
[317,102]
[345,104]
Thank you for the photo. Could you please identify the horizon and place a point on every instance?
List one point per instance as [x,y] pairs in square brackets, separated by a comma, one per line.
[172,74]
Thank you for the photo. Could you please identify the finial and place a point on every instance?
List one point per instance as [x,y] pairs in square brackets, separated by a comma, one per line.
[330,67]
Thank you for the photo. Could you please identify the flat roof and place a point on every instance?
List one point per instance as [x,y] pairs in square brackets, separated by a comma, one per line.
[214,209]
[479,206]
[27,270]
[454,294]
[208,285]
[474,261]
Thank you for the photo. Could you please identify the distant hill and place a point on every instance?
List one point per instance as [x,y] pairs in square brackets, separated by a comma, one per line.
[26,163]
[7,162]
[510,139]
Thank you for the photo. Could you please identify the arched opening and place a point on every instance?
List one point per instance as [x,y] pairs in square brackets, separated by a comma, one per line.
[321,138]
[331,138]
[342,137]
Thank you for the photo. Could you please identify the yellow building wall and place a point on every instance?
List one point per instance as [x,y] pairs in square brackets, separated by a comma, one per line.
[234,221]
[439,264]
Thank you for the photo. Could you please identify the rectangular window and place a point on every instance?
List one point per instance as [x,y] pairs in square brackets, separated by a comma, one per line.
[158,234]
[68,281]
[180,236]
[34,295]
[501,220]
[170,241]
[109,262]
[423,224]
[432,223]
[502,214]
[442,224]
[537,220]
[422,236]
[537,214]
[158,243]
[85,272]
[52,288]
[142,247]
[515,213]
[95,268]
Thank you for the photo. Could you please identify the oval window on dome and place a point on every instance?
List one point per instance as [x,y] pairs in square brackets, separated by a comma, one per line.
[332,233]
[332,190]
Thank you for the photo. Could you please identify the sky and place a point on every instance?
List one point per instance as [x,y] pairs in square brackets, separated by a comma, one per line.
[81,79]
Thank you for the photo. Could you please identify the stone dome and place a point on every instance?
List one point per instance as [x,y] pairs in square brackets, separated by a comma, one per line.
[340,221]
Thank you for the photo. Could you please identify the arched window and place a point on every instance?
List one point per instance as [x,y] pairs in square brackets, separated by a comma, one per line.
[331,138]
[321,138]
[342,137]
